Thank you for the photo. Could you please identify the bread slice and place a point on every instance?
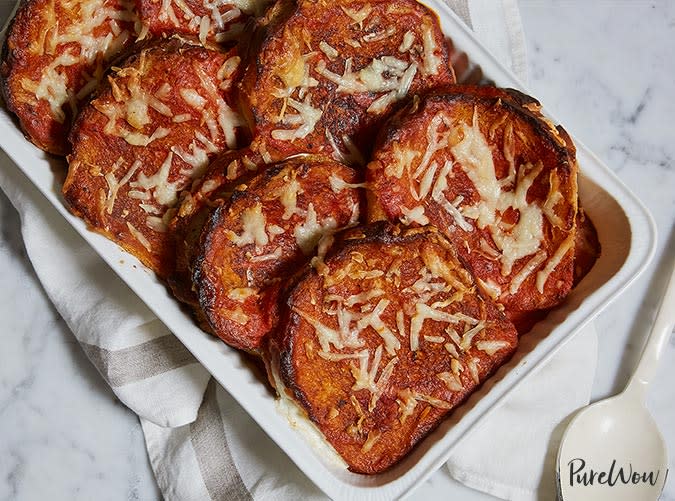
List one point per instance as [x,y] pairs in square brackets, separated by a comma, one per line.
[214,188]
[383,339]
[253,244]
[325,74]
[149,132]
[54,56]
[484,166]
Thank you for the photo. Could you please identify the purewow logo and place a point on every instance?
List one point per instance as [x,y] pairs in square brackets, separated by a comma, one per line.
[579,475]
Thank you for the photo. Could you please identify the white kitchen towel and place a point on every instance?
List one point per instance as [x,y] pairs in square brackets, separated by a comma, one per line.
[201,444]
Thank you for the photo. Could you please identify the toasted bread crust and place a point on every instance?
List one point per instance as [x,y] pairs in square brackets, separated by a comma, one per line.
[367,349]
[54,56]
[496,177]
[326,73]
[214,188]
[253,244]
[147,134]
[587,248]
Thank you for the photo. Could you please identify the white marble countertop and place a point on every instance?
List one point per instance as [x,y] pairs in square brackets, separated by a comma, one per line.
[605,69]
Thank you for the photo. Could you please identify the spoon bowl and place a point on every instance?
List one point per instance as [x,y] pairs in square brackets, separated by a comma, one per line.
[613,450]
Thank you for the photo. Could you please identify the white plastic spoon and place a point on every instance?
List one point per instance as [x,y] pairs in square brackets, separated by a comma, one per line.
[613,450]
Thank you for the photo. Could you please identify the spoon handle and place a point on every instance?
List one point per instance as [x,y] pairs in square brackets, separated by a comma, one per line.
[656,342]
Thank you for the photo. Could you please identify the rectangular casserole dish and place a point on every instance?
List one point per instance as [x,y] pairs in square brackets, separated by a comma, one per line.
[626,232]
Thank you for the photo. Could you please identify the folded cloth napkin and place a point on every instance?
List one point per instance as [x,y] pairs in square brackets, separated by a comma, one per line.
[200,442]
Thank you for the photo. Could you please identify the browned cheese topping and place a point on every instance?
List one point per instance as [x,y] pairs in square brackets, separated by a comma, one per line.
[209,20]
[503,193]
[146,137]
[330,71]
[216,186]
[385,338]
[57,53]
[254,243]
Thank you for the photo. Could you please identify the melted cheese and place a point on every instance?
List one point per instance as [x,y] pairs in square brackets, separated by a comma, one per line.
[437,141]
[288,197]
[363,297]
[492,346]
[274,256]
[435,402]
[253,223]
[472,364]
[407,42]
[521,239]
[372,319]
[414,215]
[552,263]
[452,382]
[365,376]
[306,120]
[339,357]
[468,336]
[358,16]
[241,294]
[526,271]
[139,236]
[308,234]
[192,97]
[237,315]
[440,268]
[337,184]
[349,336]
[325,335]
[378,36]
[402,160]
[328,50]
[373,437]
[424,312]
[114,185]
[228,119]
[491,289]
[431,61]
[385,74]
[407,403]
[427,180]
[53,85]
[456,366]
[554,197]
[164,192]
[400,323]
[451,349]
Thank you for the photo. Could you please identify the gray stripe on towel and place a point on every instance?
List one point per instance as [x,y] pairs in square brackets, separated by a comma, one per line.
[141,361]
[461,8]
[220,474]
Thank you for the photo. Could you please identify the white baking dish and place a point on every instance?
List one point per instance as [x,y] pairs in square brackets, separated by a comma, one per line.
[626,232]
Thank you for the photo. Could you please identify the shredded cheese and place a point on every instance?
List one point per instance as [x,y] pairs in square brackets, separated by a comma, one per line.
[552,263]
[491,346]
[372,319]
[414,215]
[253,223]
[526,271]
[432,61]
[524,237]
[308,234]
[453,382]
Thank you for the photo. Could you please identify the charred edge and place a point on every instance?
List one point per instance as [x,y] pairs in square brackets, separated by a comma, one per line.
[203,288]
